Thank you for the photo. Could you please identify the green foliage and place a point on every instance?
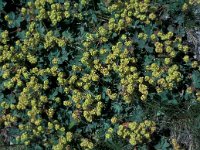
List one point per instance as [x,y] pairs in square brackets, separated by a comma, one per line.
[196,79]
[163,144]
[96,74]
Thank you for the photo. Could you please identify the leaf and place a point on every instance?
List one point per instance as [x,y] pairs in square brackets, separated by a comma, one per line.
[148,30]
[53,53]
[18,21]
[14,131]
[61,1]
[10,98]
[163,144]
[67,35]
[43,78]
[117,108]
[11,15]
[60,89]
[38,147]
[2,4]
[148,59]
[136,115]
[90,127]
[94,18]
[164,96]
[106,125]
[21,35]
[54,94]
[71,124]
[114,35]
[196,79]
[141,44]
[65,56]
[179,19]
[181,31]
[136,23]
[165,16]
[171,28]
[173,102]
[1,97]
[113,145]
[41,28]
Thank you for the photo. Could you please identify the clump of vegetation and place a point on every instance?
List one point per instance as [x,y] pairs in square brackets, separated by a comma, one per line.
[98,74]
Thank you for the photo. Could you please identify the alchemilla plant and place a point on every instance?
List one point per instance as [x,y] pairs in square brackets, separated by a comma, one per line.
[95,74]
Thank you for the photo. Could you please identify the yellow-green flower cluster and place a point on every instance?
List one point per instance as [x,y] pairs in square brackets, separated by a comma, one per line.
[50,40]
[194,2]
[63,140]
[109,133]
[175,144]
[91,106]
[86,144]
[55,14]
[58,91]
[8,119]
[136,132]
[198,95]
[4,37]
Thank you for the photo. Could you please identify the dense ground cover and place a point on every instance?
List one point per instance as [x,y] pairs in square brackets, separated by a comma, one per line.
[99,74]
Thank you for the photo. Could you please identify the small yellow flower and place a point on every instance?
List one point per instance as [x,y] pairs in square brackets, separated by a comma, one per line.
[167,61]
[152,16]
[185,7]
[108,136]
[186,58]
[194,64]
[69,136]
[113,120]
